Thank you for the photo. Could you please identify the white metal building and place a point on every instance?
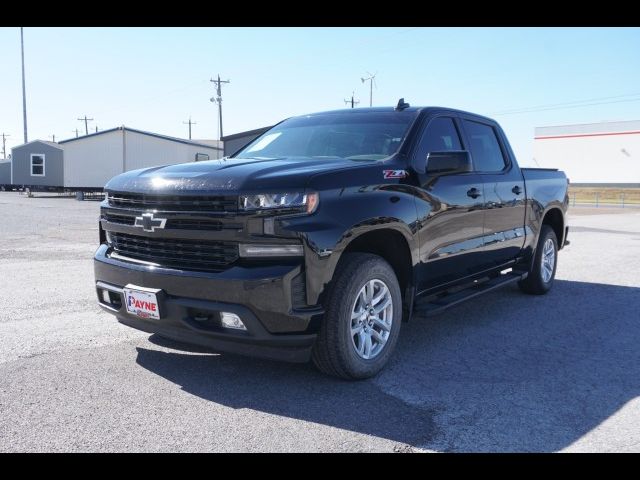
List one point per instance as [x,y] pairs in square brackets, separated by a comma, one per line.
[90,161]
[603,153]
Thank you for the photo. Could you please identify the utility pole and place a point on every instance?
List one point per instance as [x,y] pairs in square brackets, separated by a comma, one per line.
[189,123]
[4,141]
[24,90]
[371,80]
[77,132]
[352,101]
[96,128]
[86,124]
[218,99]
[53,138]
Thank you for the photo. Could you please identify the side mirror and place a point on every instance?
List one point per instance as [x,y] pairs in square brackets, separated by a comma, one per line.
[447,163]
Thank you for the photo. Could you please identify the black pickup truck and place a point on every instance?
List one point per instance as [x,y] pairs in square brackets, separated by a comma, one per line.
[319,238]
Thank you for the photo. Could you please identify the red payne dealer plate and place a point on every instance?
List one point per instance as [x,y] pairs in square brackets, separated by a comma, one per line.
[142,302]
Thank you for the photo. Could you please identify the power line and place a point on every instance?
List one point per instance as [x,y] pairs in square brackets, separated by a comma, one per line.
[353,102]
[371,80]
[86,124]
[218,99]
[573,104]
[189,123]
[4,141]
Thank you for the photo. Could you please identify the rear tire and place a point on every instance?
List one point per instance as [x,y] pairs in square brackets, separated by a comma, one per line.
[363,313]
[543,268]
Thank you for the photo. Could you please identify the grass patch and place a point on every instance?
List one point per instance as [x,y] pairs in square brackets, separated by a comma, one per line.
[609,195]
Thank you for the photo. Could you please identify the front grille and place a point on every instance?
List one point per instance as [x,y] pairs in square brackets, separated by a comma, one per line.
[174,203]
[176,223]
[176,253]
[119,219]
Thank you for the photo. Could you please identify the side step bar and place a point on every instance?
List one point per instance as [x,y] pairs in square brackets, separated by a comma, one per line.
[434,306]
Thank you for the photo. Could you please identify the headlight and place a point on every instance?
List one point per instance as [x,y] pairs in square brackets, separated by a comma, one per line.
[264,201]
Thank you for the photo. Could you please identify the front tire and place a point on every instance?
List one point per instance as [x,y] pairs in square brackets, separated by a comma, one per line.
[363,313]
[543,269]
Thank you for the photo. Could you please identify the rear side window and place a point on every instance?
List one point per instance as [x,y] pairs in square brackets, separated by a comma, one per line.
[484,146]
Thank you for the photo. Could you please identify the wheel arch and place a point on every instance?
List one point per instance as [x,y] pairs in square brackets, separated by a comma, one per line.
[554,217]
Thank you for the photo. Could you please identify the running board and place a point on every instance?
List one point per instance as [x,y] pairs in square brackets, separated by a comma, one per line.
[440,304]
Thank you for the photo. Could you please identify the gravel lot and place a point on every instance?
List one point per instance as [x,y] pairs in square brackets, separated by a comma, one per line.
[507,372]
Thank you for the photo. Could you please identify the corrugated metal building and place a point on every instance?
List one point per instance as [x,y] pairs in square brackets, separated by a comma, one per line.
[88,162]
[233,143]
[602,153]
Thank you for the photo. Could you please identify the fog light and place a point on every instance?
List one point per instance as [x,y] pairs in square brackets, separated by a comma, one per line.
[231,320]
[105,296]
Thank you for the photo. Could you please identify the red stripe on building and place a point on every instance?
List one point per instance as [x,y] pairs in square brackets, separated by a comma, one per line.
[588,135]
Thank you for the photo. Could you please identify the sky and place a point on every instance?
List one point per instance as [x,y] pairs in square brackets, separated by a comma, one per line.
[154,79]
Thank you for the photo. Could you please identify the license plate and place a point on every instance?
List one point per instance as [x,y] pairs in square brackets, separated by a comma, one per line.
[142,302]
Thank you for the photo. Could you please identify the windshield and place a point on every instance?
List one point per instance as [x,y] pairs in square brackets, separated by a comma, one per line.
[355,136]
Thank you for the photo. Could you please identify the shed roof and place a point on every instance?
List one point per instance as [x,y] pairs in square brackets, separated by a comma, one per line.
[142,132]
[47,142]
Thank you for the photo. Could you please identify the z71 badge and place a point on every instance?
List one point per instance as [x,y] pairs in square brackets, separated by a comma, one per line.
[394,173]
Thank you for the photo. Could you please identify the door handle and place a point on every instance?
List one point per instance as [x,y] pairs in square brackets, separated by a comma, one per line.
[473,193]
[517,190]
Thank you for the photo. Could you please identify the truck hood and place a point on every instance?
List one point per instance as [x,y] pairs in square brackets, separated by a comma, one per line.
[227,175]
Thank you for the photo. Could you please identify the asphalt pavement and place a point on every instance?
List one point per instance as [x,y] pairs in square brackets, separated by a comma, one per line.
[505,372]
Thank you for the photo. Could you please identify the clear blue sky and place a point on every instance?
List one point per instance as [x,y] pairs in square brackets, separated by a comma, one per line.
[155,78]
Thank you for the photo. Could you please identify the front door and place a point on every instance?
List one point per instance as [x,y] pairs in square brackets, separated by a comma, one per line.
[450,212]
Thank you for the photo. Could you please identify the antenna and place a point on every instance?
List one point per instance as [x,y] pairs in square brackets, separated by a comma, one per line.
[371,79]
[402,105]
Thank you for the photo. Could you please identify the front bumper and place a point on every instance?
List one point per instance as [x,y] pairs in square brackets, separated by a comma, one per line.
[261,296]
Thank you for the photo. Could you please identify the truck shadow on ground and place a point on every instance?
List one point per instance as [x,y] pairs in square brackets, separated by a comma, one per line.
[506,372]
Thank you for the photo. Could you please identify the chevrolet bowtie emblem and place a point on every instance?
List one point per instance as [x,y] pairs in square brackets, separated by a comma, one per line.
[148,223]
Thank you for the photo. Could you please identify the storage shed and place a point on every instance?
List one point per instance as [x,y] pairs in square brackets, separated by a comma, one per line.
[5,172]
[90,161]
[233,143]
[38,163]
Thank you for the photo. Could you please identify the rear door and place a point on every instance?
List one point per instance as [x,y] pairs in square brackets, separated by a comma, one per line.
[450,211]
[504,193]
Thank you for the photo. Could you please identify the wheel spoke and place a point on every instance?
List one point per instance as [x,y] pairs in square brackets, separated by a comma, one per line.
[382,324]
[361,342]
[356,330]
[382,306]
[357,314]
[367,345]
[380,339]
[369,291]
[383,292]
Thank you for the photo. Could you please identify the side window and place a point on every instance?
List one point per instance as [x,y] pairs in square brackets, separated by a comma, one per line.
[441,136]
[37,165]
[484,146]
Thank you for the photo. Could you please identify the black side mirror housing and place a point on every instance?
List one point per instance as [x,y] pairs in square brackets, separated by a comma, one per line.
[447,163]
